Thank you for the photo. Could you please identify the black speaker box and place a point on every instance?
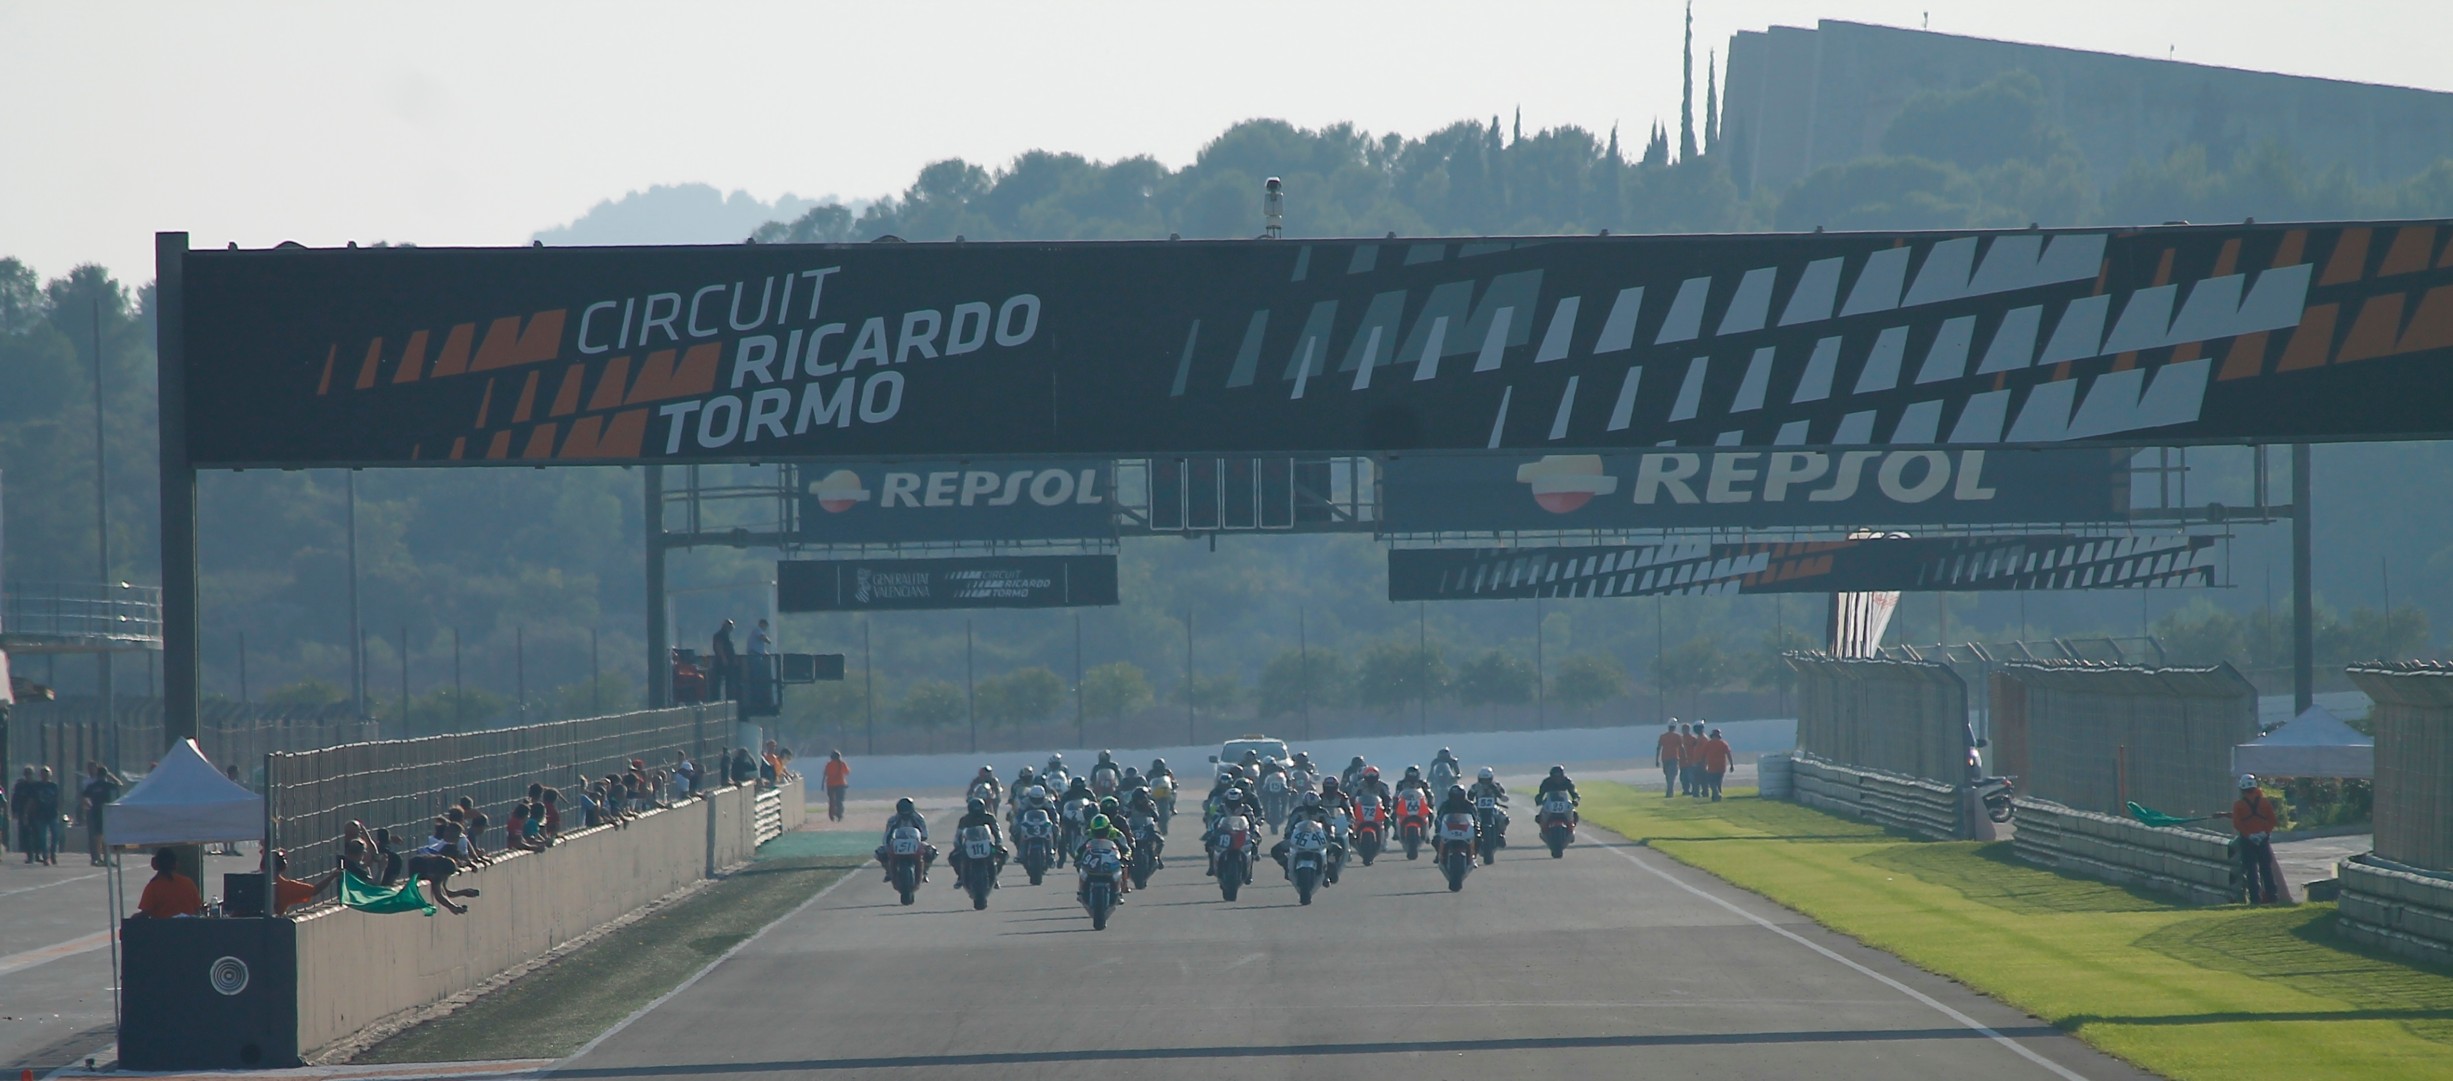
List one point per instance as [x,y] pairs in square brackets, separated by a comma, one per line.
[209,994]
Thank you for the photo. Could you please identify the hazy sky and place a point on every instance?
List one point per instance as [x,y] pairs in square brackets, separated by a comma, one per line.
[447,123]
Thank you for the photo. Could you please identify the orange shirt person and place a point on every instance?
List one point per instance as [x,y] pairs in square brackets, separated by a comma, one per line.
[1668,753]
[1714,751]
[2255,819]
[289,893]
[169,894]
[838,778]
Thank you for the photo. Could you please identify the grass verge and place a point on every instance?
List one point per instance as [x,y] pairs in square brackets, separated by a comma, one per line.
[552,1011]
[2233,993]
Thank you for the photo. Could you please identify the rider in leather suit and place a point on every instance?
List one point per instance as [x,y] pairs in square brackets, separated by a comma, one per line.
[906,814]
[978,813]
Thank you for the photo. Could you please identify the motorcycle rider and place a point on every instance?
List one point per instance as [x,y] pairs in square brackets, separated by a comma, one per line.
[1558,781]
[1457,802]
[1023,780]
[1140,803]
[1106,773]
[906,814]
[1309,807]
[1132,780]
[1102,830]
[1054,774]
[1414,782]
[1372,785]
[978,813]
[1158,768]
[1352,774]
[1486,783]
[1445,770]
[1232,801]
[986,778]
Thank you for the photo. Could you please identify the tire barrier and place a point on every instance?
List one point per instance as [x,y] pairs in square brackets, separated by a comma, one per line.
[1775,776]
[1912,804]
[2397,908]
[2192,865]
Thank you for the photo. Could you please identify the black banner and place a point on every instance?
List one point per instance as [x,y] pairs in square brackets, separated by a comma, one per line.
[2235,333]
[875,585]
[1873,564]
[1695,489]
[1057,499]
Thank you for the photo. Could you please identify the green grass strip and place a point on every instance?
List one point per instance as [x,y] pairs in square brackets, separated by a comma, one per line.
[2220,994]
[553,1011]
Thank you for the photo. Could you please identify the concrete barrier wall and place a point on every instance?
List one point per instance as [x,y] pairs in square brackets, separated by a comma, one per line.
[2414,761]
[1919,806]
[356,970]
[2397,909]
[2185,863]
[2094,736]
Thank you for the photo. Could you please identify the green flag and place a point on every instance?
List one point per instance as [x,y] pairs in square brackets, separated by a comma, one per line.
[2153,817]
[365,896]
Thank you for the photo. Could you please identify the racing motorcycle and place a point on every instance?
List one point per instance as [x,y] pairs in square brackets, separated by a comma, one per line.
[1996,793]
[1035,835]
[1099,867]
[979,863]
[1341,841]
[906,855]
[1456,848]
[1494,823]
[1075,826]
[1413,821]
[1147,842]
[1557,820]
[1444,773]
[1277,801]
[1236,851]
[1307,857]
[1162,791]
[1370,827]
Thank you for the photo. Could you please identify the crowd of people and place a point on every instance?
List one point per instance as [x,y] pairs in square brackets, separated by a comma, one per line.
[1692,761]
[39,811]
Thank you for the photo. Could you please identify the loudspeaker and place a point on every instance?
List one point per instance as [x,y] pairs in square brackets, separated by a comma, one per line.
[209,994]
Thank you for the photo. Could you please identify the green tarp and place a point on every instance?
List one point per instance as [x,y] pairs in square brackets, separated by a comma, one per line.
[2153,817]
[365,896]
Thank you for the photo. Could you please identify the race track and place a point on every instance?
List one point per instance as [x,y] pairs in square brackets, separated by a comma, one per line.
[1613,962]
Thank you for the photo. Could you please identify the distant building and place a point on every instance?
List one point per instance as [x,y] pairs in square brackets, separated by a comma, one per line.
[1800,99]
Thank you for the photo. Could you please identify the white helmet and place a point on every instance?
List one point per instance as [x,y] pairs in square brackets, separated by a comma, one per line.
[1234,794]
[1038,792]
[1486,773]
[2248,781]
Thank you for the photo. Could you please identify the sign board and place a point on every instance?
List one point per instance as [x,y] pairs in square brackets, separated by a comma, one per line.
[1867,565]
[2176,335]
[1695,489]
[879,585]
[1054,499]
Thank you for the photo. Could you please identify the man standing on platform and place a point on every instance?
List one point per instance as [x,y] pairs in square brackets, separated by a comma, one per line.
[724,682]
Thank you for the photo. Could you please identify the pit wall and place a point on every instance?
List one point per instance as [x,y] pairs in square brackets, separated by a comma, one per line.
[1894,716]
[2097,736]
[2191,865]
[1926,808]
[357,970]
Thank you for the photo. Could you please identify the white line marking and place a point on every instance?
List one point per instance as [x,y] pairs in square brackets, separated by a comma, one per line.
[48,885]
[685,985]
[2020,1049]
[60,951]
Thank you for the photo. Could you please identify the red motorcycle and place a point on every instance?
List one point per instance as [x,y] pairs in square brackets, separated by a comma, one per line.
[1557,819]
[1370,833]
[1456,848]
[1413,822]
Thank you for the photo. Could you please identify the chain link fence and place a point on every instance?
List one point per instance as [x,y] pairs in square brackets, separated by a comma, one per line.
[70,731]
[2096,736]
[1899,716]
[402,784]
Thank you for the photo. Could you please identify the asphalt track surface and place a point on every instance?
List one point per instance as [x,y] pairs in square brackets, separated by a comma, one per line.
[1612,962]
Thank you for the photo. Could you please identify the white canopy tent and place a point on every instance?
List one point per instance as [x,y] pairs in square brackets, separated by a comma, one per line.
[2314,744]
[185,801]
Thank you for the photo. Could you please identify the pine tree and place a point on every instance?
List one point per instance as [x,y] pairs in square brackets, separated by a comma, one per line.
[1656,150]
[1613,154]
[1711,101]
[1686,89]
[1519,135]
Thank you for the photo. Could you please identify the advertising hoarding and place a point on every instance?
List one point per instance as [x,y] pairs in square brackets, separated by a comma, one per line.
[877,585]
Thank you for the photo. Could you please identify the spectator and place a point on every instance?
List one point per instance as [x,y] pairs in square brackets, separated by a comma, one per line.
[435,861]
[1716,758]
[515,827]
[689,681]
[532,826]
[744,768]
[685,776]
[289,893]
[43,812]
[100,788]
[1667,753]
[553,815]
[838,777]
[357,858]
[170,894]
[724,674]
[659,784]
[471,824]
[770,764]
[2254,819]
[391,859]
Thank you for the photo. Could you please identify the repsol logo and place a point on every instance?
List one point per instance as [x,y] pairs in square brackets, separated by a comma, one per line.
[1900,476]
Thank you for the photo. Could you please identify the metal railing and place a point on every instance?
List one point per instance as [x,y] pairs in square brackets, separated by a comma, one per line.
[67,732]
[93,614]
[402,784]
